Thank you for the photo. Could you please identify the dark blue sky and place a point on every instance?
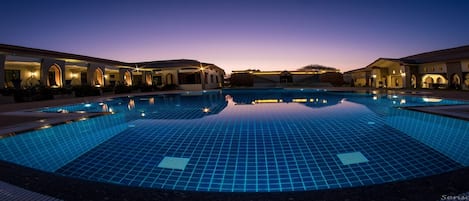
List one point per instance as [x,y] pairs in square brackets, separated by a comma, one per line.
[269,35]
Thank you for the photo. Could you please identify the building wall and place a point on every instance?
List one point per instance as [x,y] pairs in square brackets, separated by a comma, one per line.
[213,84]
[164,76]
[465,65]
[438,68]
[269,77]
[191,87]
[111,77]
[29,73]
[359,78]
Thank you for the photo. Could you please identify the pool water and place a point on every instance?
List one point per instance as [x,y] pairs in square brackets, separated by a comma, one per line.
[268,140]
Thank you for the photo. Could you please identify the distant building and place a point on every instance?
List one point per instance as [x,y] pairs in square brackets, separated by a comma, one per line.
[22,67]
[312,75]
[448,68]
[187,74]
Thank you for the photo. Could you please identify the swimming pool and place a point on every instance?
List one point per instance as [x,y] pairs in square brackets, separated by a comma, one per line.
[268,140]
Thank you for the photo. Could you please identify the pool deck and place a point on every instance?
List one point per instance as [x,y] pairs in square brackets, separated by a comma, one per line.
[17,117]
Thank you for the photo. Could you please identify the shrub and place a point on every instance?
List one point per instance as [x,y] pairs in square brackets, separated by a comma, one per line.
[33,94]
[86,90]
[120,89]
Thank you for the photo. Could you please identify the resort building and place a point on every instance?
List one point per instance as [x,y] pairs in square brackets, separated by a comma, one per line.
[187,74]
[312,75]
[22,67]
[448,68]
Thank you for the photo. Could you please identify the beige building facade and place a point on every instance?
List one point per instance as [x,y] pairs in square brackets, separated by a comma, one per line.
[22,67]
[441,69]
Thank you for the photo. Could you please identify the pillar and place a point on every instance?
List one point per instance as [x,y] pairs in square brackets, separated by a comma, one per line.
[46,64]
[91,71]
[2,70]
[406,76]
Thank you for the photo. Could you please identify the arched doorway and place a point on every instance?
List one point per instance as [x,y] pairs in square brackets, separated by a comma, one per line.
[286,77]
[455,81]
[127,78]
[54,78]
[98,78]
[434,81]
[413,81]
[169,79]
[148,79]
[428,82]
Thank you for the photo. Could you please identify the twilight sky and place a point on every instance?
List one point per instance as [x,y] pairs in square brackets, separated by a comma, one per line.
[237,35]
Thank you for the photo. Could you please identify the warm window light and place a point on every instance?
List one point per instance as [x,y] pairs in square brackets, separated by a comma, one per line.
[373,76]
[105,76]
[299,100]
[33,73]
[74,75]
[206,110]
[403,74]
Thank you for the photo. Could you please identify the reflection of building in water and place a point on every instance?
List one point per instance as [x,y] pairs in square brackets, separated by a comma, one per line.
[131,104]
[178,106]
[315,100]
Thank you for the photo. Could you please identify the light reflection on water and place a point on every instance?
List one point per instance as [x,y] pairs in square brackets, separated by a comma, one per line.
[271,140]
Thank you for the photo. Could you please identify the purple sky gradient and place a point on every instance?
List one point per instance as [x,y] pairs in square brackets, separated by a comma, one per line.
[236,35]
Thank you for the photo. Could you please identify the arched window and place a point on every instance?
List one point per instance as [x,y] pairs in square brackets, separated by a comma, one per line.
[286,77]
[54,78]
[127,78]
[98,78]
[455,81]
[148,79]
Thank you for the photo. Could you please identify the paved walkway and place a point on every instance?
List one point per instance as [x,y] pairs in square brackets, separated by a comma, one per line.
[14,193]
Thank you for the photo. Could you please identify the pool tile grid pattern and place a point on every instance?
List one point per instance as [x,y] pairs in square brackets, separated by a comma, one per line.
[244,155]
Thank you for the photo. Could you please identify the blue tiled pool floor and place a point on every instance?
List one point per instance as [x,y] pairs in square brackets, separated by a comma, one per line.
[287,148]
